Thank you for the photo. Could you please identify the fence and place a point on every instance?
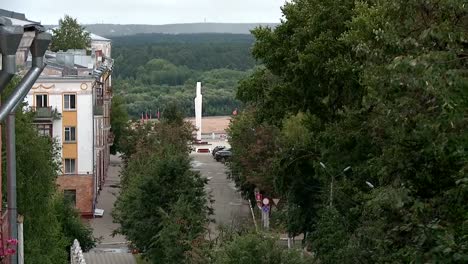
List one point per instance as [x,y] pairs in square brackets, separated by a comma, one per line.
[76,254]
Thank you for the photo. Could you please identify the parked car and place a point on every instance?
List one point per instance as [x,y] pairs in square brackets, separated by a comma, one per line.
[223,155]
[216,149]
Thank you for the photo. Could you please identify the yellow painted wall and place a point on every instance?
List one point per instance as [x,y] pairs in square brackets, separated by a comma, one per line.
[69,118]
[70,150]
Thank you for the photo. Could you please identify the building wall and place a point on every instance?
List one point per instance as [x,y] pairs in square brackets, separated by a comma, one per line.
[82,118]
[83,184]
[85,133]
[105,46]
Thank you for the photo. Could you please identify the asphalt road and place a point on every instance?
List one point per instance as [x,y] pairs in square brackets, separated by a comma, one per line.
[229,207]
[110,249]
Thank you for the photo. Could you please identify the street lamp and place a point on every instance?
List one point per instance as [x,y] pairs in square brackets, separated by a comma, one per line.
[333,179]
[370,184]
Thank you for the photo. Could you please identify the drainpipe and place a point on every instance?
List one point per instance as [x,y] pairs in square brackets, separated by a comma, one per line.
[94,149]
[38,49]
[10,38]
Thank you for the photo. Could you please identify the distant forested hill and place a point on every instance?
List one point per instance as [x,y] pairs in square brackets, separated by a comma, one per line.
[196,51]
[154,69]
[113,30]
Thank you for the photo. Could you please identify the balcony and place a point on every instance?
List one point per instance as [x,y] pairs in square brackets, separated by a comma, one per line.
[46,114]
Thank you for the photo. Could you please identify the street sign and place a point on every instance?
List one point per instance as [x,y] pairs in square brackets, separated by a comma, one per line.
[258,196]
[266,208]
[266,201]
[276,201]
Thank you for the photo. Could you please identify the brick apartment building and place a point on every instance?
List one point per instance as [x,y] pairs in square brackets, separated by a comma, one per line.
[72,101]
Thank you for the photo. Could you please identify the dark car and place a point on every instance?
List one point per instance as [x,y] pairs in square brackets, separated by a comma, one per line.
[216,149]
[223,155]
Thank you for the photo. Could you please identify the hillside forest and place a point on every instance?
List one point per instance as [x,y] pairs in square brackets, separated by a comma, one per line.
[154,69]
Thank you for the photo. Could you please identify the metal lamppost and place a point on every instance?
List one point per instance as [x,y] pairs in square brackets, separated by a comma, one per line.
[333,179]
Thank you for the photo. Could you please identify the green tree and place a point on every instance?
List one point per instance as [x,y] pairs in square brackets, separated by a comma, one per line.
[119,122]
[36,174]
[69,35]
[382,85]
[172,114]
[169,226]
[257,248]
[72,224]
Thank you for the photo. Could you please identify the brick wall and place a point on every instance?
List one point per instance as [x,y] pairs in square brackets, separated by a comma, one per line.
[83,184]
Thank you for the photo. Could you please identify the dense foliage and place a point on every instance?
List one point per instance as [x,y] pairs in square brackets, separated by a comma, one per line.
[69,35]
[254,248]
[119,122]
[162,207]
[199,52]
[153,70]
[380,86]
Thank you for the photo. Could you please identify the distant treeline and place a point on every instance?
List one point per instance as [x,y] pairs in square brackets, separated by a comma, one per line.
[144,39]
[154,69]
[199,52]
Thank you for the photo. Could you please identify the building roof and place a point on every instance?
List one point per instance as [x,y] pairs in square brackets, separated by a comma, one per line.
[93,36]
[97,37]
[11,14]
[8,18]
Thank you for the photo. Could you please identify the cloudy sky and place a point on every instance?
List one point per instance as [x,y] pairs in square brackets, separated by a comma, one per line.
[148,11]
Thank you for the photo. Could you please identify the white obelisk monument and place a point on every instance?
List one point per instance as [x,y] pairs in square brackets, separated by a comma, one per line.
[198,111]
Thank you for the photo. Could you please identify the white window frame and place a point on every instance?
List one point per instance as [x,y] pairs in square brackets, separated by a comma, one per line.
[65,107]
[71,132]
[42,128]
[46,96]
[67,168]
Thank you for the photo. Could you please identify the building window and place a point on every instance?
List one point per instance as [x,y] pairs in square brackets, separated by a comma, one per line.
[41,100]
[70,134]
[70,196]
[44,129]
[69,101]
[70,166]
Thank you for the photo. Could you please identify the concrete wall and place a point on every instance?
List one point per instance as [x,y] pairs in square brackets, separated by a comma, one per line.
[85,133]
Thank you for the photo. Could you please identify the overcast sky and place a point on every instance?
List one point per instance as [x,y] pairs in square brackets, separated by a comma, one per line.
[148,11]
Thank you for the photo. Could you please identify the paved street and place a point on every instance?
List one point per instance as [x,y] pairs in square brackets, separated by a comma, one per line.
[111,249]
[229,208]
[104,226]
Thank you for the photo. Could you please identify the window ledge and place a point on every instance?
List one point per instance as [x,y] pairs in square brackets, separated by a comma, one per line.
[69,142]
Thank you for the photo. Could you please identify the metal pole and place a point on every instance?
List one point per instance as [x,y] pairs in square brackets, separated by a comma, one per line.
[20,92]
[8,63]
[11,37]
[94,150]
[20,240]
[331,191]
[11,181]
[38,49]
[253,216]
